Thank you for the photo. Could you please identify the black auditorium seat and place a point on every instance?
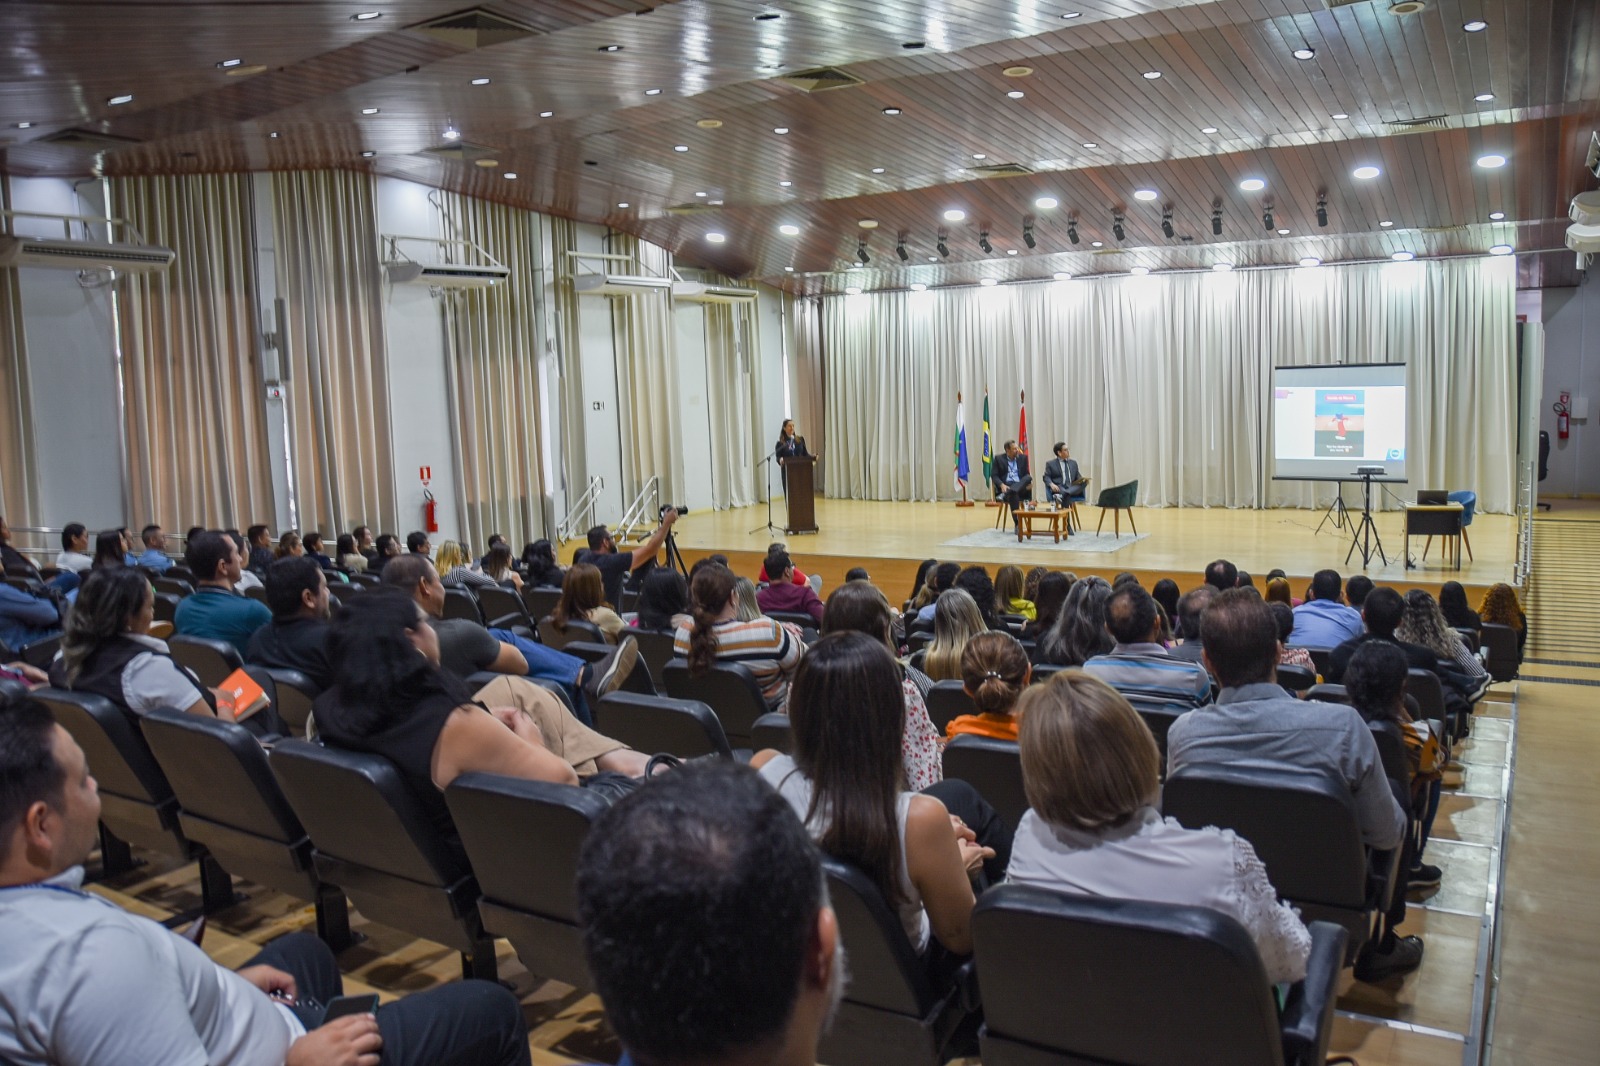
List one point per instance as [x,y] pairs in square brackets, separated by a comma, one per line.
[462,604]
[655,724]
[210,660]
[729,689]
[575,630]
[993,767]
[1296,678]
[1079,979]
[1504,659]
[502,608]
[774,731]
[948,700]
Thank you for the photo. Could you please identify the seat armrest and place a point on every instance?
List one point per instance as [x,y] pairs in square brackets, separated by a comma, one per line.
[1383,870]
[966,986]
[1306,1020]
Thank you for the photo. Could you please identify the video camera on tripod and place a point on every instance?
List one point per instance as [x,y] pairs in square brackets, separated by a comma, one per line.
[671,507]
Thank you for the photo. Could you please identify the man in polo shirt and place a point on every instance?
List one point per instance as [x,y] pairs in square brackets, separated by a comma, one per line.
[615,566]
[154,555]
[216,610]
[297,637]
[1324,621]
[1139,666]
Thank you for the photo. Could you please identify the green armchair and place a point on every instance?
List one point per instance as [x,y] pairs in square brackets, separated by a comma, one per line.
[1116,499]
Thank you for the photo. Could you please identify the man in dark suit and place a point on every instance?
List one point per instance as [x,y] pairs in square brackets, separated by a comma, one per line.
[1012,479]
[1061,478]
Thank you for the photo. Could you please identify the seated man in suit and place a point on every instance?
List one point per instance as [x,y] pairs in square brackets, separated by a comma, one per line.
[1062,481]
[1012,480]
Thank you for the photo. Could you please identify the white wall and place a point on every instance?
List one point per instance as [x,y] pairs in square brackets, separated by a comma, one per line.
[694,385]
[1572,364]
[602,442]
[769,347]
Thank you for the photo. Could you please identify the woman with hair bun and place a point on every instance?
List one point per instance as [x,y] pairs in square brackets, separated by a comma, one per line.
[994,671]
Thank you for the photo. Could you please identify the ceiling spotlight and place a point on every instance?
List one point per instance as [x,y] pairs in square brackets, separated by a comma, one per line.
[1116,226]
[1366,173]
[1475,25]
[933,259]
[917,286]
[547,114]
[1145,194]
[1139,272]
[891,111]
[716,238]
[1322,211]
[1072,230]
[785,184]
[126,98]
[1027,235]
[1304,53]
[1340,116]
[1501,249]
[1252,185]
[700,194]
[1386,224]
[652,92]
[861,251]
[1061,275]
[1310,261]
[900,250]
[1151,75]
[368,154]
[789,270]
[983,242]
[954,214]
[609,48]
[1208,129]
[1221,268]
[1484,98]
[1096,244]
[1402,257]
[1012,251]
[1282,232]
[480,81]
[1497,215]
[1216,221]
[780,130]
[988,283]
[511,176]
[1266,219]
[1166,222]
[452,134]
[867,223]
[622,205]
[226,63]
[943,248]
[852,290]
[680,148]
[1091,144]
[1491,161]
[366,16]
[979,155]
[877,170]
[789,230]
[1073,15]
[369,110]
[29,126]
[1016,94]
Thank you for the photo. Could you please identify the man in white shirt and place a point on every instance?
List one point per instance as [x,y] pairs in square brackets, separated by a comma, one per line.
[74,549]
[84,982]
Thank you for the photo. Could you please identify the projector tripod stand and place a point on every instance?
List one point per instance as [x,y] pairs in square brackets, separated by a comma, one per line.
[1336,511]
[1365,535]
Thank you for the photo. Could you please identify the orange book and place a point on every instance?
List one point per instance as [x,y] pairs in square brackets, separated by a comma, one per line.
[239,697]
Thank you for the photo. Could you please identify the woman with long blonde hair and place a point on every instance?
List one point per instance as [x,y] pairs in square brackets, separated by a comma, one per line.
[956,620]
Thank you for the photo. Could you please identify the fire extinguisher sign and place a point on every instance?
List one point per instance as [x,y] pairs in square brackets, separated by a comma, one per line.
[425,473]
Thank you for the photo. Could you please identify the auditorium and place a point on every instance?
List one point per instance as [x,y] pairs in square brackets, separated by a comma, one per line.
[522,522]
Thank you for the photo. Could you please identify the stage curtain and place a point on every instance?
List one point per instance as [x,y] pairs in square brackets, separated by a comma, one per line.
[1166,379]
[802,322]
[733,373]
[645,337]
[336,393]
[196,426]
[571,470]
[492,371]
[19,496]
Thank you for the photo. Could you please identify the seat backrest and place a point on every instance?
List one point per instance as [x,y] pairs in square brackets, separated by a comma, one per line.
[994,768]
[1501,641]
[459,603]
[1302,824]
[1121,981]
[211,660]
[1328,693]
[948,700]
[116,750]
[219,772]
[296,692]
[166,606]
[540,599]
[1295,678]
[257,593]
[655,648]
[356,808]
[343,593]
[802,619]
[1321,659]
[1043,672]
[502,608]
[1158,717]
[1469,504]
[1392,751]
[773,731]
[176,586]
[576,630]
[654,724]
[1119,495]
[41,653]
[885,971]
[523,837]
[1424,687]
[730,689]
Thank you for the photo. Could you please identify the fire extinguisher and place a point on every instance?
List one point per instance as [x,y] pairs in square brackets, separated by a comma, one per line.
[430,512]
[1563,410]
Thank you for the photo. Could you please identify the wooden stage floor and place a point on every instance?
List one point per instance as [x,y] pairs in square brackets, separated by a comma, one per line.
[890,539]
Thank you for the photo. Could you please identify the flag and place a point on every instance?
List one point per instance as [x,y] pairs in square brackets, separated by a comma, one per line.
[1022,423]
[962,467]
[988,449]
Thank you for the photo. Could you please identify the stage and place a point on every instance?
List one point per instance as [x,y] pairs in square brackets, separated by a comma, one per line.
[890,539]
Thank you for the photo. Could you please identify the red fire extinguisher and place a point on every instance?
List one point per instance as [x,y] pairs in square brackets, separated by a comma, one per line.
[430,512]
[1563,410]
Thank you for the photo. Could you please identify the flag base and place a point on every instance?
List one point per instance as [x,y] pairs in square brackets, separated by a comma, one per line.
[995,503]
[965,503]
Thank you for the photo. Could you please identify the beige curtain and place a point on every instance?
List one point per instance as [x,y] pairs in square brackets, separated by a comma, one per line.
[733,373]
[19,501]
[570,466]
[196,426]
[802,318]
[644,336]
[492,370]
[337,391]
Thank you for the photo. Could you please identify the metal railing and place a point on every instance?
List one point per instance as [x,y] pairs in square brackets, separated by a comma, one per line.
[582,509]
[645,507]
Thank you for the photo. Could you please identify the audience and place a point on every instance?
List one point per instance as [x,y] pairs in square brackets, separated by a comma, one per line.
[1139,666]
[1245,581]
[350,559]
[1356,589]
[1191,611]
[456,570]
[615,566]
[770,650]
[215,610]
[1278,591]
[111,548]
[1080,631]
[1453,602]
[497,563]
[1090,769]
[1424,625]
[783,593]
[1254,723]
[312,542]
[1323,621]
[297,636]
[994,671]
[956,620]
[1009,595]
[1383,612]
[1283,614]
[9,556]
[943,579]
[845,781]
[260,543]
[858,573]
[417,543]
[799,578]
[922,590]
[749,608]
[74,549]
[663,601]
[1222,575]
[583,600]
[248,579]
[386,547]
[86,982]
[1500,607]
[365,546]
[706,924]
[975,581]
[26,617]
[1048,600]
[154,555]
[1166,594]
[539,563]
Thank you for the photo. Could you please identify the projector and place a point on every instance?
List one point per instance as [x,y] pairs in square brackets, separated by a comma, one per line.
[1363,471]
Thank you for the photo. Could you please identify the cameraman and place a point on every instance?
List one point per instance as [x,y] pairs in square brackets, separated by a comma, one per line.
[615,566]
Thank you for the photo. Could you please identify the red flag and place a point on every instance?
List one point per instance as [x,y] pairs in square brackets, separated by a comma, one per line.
[1022,423]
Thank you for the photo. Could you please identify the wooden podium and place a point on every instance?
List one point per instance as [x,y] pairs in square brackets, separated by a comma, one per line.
[799,494]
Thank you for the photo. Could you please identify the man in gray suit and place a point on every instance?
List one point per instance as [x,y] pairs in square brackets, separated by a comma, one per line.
[1061,478]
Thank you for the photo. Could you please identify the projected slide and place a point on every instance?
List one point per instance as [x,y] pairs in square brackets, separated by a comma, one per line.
[1329,420]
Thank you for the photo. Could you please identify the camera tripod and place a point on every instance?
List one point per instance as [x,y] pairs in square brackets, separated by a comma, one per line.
[1336,511]
[1365,534]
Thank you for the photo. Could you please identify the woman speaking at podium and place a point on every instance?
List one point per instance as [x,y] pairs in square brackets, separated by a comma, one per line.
[788,447]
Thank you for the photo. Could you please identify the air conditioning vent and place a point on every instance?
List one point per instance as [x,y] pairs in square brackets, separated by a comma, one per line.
[474,28]
[690,209]
[1442,229]
[83,255]
[1418,125]
[819,79]
[80,138]
[1001,170]
[461,151]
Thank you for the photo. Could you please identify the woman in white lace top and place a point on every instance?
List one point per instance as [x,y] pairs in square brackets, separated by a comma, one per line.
[1089,767]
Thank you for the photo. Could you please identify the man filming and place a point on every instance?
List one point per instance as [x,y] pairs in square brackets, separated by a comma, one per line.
[615,566]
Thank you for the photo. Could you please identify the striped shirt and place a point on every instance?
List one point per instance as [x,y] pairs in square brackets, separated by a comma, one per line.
[1148,672]
[771,650]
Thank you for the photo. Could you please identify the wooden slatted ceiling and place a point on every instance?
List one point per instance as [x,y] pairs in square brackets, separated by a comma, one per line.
[1225,64]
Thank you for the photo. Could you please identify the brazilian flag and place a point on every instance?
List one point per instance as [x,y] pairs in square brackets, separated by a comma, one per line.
[988,448]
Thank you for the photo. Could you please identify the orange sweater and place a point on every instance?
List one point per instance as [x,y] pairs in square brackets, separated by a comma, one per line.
[998,726]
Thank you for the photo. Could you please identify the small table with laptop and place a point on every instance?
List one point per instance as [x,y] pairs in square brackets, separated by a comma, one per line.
[1433,515]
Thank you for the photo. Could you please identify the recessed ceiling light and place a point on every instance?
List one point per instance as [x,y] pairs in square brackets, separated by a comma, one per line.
[867,223]
[891,111]
[1145,194]
[1151,75]
[1501,249]
[273,135]
[979,155]
[452,134]
[1096,244]
[1402,257]
[1340,116]
[547,114]
[680,148]
[370,110]
[877,170]
[1016,94]
[1090,144]
[917,286]
[1222,268]
[1475,25]
[1304,53]
[511,175]
[29,126]
[780,130]
[1497,215]
[226,63]
[366,16]
[1208,129]
[987,282]
[1283,233]
[788,270]
[126,98]
[609,48]
[1072,15]
[1484,98]
[1386,224]
[1061,275]
[954,214]
[368,154]
[1252,185]
[701,195]
[1310,261]
[715,203]
[855,266]
[789,229]
[933,259]
[480,81]
[785,184]
[623,205]
[1366,173]
[1138,272]
[1011,251]
[1045,203]
[1491,161]
[652,92]
[716,238]
[852,290]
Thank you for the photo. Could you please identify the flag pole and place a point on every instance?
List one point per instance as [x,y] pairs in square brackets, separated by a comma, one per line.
[961,452]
